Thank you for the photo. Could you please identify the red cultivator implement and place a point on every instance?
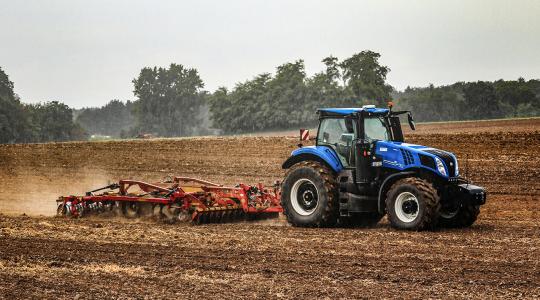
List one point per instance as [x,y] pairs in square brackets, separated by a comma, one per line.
[180,199]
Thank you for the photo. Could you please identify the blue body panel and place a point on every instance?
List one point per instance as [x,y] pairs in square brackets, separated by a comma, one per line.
[394,153]
[348,111]
[325,153]
[393,156]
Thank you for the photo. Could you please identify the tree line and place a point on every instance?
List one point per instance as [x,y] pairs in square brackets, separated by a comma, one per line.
[473,100]
[290,98]
[32,123]
[114,119]
[171,101]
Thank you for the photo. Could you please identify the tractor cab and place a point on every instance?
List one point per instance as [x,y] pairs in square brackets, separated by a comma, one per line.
[341,128]
[353,132]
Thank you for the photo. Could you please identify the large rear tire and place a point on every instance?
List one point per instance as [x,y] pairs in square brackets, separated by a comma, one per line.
[310,195]
[413,204]
[462,216]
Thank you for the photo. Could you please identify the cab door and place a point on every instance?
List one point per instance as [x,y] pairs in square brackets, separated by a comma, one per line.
[339,134]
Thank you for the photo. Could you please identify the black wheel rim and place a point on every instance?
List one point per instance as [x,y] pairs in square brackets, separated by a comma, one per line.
[410,207]
[307,196]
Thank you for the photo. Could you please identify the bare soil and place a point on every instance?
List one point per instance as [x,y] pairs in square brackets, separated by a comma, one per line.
[47,257]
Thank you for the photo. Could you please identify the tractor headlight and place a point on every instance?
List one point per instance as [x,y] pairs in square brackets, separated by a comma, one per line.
[440,166]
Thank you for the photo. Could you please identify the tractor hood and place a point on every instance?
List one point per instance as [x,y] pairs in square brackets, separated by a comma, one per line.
[394,155]
[402,156]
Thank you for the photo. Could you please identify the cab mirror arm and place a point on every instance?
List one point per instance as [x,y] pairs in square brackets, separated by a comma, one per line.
[411,121]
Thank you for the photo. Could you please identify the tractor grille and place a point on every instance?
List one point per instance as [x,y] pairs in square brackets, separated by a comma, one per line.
[407,157]
[447,159]
[427,161]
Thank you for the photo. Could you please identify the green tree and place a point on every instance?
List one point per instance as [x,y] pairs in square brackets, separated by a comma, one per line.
[513,94]
[325,89]
[433,103]
[53,121]
[366,78]
[251,105]
[265,102]
[244,109]
[14,123]
[169,100]
[332,72]
[111,119]
[221,108]
[287,97]
[481,101]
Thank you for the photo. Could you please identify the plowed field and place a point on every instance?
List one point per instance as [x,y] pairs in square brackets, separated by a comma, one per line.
[43,256]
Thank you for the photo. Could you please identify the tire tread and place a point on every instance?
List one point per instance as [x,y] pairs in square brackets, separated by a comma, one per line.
[331,211]
[431,198]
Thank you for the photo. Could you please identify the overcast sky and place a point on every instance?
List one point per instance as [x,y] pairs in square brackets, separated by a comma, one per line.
[85,53]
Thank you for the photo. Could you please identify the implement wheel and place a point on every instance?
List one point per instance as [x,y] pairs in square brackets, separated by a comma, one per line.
[310,196]
[413,204]
[61,209]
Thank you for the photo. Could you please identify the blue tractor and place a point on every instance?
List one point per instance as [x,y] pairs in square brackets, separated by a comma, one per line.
[361,169]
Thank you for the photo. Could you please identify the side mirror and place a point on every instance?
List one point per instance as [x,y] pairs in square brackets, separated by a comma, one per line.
[395,126]
[411,121]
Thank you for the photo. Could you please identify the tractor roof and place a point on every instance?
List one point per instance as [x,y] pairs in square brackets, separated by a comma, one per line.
[348,111]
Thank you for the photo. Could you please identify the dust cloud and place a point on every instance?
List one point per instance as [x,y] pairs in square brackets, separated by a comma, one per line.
[36,195]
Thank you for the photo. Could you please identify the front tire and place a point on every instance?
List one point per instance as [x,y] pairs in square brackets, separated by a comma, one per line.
[463,216]
[413,204]
[309,195]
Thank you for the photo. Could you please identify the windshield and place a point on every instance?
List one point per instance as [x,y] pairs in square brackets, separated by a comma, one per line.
[339,134]
[375,129]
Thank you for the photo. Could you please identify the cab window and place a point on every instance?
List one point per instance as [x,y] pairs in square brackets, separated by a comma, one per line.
[375,129]
[340,135]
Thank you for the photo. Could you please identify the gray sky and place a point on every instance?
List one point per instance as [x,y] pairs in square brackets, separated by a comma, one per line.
[85,53]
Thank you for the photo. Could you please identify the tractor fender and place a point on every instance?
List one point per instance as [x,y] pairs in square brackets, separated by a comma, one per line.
[386,183]
[320,154]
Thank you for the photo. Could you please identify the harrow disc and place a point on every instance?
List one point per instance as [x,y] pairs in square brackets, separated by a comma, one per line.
[226,216]
[157,211]
[218,216]
[168,212]
[184,216]
[197,220]
[111,208]
[204,218]
[146,210]
[213,216]
[130,210]
[175,214]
